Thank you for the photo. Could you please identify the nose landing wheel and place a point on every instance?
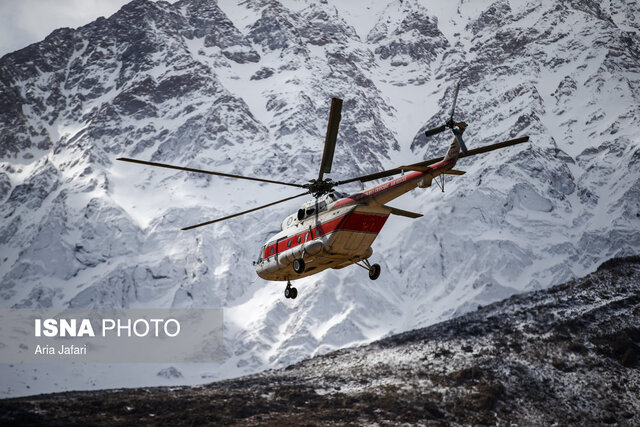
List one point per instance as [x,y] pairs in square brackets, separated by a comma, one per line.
[290,291]
[298,265]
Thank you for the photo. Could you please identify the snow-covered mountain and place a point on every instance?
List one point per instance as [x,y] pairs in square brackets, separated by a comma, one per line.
[245,87]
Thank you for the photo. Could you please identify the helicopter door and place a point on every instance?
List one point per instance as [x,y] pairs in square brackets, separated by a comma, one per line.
[279,250]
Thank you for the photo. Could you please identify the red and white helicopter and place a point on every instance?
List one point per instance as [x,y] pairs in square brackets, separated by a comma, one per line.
[335,230]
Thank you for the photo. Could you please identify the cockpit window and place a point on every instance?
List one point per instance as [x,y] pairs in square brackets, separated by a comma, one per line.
[304,213]
[339,195]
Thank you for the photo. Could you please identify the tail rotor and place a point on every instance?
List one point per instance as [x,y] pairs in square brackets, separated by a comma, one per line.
[456,127]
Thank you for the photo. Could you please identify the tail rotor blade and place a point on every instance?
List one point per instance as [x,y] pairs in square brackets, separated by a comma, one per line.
[455,99]
[435,131]
[332,134]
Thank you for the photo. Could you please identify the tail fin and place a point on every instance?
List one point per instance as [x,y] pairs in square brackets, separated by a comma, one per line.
[454,150]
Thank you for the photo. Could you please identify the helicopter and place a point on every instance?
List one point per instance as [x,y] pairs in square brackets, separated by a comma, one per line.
[335,229]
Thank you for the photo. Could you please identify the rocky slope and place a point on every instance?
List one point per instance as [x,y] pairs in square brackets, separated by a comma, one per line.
[568,355]
[244,87]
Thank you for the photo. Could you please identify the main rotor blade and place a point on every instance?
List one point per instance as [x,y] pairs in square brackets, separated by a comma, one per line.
[228,175]
[419,165]
[390,172]
[245,212]
[332,134]
[492,147]
[455,99]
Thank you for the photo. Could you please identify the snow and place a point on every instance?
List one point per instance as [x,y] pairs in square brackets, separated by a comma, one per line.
[504,227]
[238,12]
[361,18]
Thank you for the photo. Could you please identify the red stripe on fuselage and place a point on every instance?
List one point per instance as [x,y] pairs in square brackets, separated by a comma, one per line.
[354,221]
[363,222]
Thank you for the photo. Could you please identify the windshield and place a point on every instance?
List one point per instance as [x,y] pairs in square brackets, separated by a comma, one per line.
[338,195]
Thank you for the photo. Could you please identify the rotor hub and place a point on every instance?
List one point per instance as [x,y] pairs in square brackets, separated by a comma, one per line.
[320,187]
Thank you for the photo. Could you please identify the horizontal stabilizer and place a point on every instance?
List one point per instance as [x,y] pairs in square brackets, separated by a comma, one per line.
[401,212]
[454,172]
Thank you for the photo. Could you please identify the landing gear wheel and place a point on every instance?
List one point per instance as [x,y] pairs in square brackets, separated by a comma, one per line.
[290,292]
[374,271]
[298,265]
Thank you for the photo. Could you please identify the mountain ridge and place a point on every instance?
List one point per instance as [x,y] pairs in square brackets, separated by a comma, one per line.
[567,354]
[158,81]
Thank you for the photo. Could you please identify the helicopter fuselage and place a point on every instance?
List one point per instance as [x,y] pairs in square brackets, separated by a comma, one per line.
[335,232]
